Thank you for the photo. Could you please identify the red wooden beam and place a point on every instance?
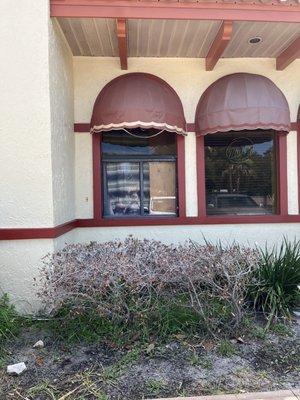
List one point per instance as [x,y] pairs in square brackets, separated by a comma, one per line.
[122,42]
[288,55]
[219,45]
[174,10]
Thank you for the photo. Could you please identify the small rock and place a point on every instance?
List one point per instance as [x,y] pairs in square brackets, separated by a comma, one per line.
[38,345]
[296,313]
[16,369]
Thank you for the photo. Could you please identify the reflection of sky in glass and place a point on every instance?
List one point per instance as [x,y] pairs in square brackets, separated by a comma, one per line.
[124,144]
[262,148]
[109,148]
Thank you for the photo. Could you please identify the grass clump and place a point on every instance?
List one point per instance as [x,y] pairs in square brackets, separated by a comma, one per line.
[155,386]
[275,290]
[281,329]
[10,322]
[226,349]
[112,373]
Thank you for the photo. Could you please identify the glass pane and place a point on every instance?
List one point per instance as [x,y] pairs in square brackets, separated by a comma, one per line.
[240,170]
[122,143]
[123,189]
[159,180]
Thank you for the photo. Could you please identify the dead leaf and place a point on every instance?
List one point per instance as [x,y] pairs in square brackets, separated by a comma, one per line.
[180,336]
[208,345]
[150,347]
[39,361]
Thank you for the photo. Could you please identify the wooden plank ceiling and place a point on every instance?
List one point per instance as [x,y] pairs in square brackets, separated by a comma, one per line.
[174,38]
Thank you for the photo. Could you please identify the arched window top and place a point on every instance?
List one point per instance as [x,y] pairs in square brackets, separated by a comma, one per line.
[242,101]
[138,100]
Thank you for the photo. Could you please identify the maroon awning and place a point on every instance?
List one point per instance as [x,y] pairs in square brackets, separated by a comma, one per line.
[138,100]
[242,101]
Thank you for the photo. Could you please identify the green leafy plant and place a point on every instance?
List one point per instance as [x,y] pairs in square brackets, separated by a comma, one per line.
[281,329]
[275,290]
[226,348]
[9,320]
[155,386]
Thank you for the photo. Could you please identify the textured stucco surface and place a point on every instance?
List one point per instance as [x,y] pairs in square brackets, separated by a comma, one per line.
[37,143]
[84,175]
[62,125]
[25,140]
[20,261]
[292,173]
[250,234]
[36,120]
[189,78]
[191,175]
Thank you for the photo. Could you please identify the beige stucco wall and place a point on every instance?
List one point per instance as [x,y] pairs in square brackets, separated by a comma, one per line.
[37,143]
[247,234]
[25,124]
[189,78]
[84,175]
[20,261]
[62,125]
[36,120]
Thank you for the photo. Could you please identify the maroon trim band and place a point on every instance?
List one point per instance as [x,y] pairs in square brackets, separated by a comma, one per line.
[206,220]
[37,233]
[52,233]
[82,127]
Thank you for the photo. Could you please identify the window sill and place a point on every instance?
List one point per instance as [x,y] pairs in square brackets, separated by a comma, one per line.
[205,220]
[51,233]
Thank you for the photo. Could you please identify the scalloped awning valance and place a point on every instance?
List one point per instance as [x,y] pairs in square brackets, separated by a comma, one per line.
[242,101]
[138,100]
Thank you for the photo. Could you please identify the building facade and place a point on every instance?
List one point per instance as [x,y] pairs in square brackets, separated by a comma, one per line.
[173,127]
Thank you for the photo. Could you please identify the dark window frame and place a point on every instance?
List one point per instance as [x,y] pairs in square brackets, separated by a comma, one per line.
[98,215]
[237,136]
[281,187]
[140,160]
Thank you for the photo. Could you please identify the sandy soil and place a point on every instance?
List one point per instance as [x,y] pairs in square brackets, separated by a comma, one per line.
[178,368]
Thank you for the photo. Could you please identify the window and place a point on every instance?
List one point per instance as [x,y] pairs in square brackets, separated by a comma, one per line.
[139,173]
[241,173]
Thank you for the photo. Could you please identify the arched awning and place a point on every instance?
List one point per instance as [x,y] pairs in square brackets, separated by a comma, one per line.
[138,100]
[242,101]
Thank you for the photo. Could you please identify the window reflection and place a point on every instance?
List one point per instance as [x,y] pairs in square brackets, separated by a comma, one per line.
[123,189]
[123,143]
[240,172]
[139,173]
[160,188]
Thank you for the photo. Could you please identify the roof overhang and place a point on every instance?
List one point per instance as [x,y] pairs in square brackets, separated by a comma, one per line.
[238,11]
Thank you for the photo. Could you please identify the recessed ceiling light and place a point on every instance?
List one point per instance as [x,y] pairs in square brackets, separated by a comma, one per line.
[255,40]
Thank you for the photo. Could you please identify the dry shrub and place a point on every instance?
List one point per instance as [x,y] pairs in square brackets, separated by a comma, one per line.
[132,280]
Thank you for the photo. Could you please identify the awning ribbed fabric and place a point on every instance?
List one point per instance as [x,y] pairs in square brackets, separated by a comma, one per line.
[242,101]
[138,100]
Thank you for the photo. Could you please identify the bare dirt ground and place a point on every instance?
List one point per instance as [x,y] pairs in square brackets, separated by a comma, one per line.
[180,367]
